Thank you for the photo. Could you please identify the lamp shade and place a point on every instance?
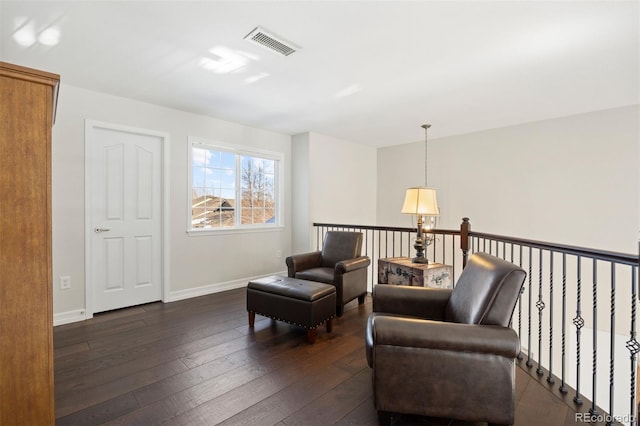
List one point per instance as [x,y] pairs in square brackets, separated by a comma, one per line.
[420,201]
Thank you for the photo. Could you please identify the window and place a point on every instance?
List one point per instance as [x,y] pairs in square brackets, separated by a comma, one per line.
[233,187]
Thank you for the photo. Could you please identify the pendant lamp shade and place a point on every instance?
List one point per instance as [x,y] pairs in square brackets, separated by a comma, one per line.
[420,201]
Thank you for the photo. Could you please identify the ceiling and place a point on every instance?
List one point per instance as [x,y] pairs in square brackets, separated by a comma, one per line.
[370,72]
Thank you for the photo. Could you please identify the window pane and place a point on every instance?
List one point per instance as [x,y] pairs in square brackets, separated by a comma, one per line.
[215,183]
[213,189]
[269,215]
[213,158]
[227,160]
[257,190]
[198,176]
[227,179]
[199,156]
[212,178]
[269,167]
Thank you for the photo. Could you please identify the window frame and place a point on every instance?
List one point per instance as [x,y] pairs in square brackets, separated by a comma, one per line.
[238,151]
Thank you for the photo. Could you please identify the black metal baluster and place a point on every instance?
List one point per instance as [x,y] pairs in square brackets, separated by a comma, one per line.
[563,387]
[540,305]
[366,238]
[550,378]
[594,355]
[612,342]
[393,244]
[366,242]
[386,244]
[578,321]
[408,246]
[529,363]
[520,303]
[453,257]
[633,346]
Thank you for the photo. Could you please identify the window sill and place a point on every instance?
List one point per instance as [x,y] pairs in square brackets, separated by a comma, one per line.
[234,231]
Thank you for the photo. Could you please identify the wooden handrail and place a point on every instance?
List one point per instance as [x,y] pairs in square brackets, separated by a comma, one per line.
[465,233]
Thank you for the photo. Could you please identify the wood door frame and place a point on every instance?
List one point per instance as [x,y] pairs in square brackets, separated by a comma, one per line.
[89,145]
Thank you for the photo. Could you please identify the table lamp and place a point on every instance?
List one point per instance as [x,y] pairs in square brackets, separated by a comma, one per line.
[420,202]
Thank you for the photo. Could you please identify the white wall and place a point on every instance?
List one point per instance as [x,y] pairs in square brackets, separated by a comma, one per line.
[300,193]
[572,180]
[399,167]
[196,263]
[341,184]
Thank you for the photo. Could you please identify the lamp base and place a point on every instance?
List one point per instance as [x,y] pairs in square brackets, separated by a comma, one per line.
[419,246]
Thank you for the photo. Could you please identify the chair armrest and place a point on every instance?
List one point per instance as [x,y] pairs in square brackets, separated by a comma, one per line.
[445,336]
[349,265]
[302,261]
[419,302]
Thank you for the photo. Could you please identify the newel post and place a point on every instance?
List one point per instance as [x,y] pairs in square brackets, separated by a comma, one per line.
[465,227]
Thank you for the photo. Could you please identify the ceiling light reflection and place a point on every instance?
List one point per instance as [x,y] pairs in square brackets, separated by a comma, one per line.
[254,78]
[225,60]
[551,37]
[348,91]
[25,33]
[49,37]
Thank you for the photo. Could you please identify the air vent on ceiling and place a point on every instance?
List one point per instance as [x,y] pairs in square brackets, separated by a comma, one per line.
[270,41]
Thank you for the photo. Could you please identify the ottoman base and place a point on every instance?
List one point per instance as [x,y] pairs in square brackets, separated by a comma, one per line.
[311,332]
[304,303]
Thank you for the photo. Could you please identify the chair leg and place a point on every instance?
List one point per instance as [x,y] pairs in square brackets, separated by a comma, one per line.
[311,335]
[361,298]
[339,310]
[252,318]
[329,325]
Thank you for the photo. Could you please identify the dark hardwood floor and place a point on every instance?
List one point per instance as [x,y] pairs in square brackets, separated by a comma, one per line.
[196,362]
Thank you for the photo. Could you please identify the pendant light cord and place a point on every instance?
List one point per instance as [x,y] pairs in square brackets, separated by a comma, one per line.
[425,127]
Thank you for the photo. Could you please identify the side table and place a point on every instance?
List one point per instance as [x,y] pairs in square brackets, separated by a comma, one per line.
[401,271]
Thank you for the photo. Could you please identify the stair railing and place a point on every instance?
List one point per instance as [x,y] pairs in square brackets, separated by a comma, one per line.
[578,307]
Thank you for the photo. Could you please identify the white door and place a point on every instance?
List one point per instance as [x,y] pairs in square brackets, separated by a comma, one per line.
[125,217]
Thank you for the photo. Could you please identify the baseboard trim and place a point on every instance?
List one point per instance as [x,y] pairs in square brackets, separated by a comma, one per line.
[81,314]
[69,317]
[175,296]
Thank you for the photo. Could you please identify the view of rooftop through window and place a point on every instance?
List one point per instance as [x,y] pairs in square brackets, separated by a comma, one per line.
[220,177]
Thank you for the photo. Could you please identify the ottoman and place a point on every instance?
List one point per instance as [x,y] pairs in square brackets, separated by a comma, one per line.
[304,303]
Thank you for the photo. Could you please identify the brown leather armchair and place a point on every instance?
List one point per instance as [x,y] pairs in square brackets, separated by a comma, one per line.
[447,353]
[339,263]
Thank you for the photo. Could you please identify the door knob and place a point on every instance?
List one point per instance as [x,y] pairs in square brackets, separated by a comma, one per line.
[98,230]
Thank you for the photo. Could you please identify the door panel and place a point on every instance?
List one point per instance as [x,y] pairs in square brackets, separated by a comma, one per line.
[126,218]
[113,264]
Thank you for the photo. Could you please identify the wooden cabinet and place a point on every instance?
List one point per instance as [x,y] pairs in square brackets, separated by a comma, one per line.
[27,108]
[401,271]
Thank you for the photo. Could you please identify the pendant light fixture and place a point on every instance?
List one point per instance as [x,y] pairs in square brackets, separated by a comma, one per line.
[421,202]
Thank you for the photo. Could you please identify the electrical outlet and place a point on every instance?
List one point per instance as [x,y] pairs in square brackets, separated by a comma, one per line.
[65,283]
[278,254]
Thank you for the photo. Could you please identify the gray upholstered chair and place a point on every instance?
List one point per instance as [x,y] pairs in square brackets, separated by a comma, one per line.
[339,263]
[447,353]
